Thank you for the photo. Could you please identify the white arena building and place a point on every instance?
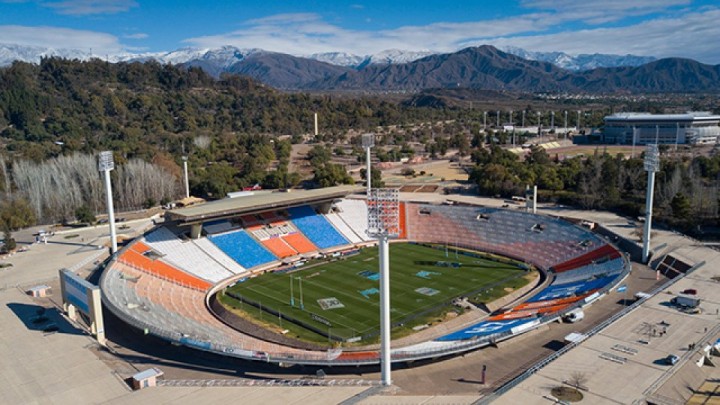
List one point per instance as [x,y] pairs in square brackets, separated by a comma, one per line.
[693,128]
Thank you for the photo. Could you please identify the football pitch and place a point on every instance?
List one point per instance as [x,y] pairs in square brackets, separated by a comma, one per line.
[340,298]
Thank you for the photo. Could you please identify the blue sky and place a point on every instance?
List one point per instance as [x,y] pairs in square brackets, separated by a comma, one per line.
[661,28]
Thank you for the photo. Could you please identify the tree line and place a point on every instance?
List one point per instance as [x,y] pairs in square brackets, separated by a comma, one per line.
[686,193]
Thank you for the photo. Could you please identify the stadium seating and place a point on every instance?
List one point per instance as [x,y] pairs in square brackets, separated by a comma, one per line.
[186,255]
[160,268]
[218,255]
[278,247]
[609,267]
[402,221]
[354,214]
[546,240]
[242,248]
[571,289]
[300,243]
[344,228]
[250,220]
[604,252]
[484,328]
[320,232]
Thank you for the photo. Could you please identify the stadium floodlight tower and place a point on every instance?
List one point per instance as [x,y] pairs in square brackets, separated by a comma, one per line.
[368,141]
[383,223]
[105,164]
[652,164]
[187,182]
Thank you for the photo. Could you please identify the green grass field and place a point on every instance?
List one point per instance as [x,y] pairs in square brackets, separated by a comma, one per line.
[419,285]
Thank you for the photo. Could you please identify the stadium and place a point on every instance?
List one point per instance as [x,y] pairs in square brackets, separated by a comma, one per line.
[281,256]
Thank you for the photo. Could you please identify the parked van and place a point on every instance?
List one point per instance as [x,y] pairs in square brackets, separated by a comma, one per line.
[685,300]
[576,315]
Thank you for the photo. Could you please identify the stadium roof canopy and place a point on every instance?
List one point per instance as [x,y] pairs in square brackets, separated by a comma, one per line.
[259,201]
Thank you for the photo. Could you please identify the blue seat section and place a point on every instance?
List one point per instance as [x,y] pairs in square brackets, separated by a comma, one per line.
[484,328]
[316,227]
[567,290]
[242,248]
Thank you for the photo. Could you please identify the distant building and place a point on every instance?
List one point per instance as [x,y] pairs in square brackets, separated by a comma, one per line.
[692,128]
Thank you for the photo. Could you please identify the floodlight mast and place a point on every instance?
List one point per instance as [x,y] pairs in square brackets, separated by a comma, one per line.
[383,223]
[652,164]
[187,181]
[105,164]
[368,141]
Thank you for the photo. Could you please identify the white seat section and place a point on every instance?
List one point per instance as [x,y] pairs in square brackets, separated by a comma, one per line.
[214,252]
[344,228]
[186,255]
[354,213]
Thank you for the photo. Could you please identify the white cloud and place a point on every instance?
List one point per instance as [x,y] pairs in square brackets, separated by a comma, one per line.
[87,7]
[307,33]
[139,35]
[684,36]
[60,38]
[683,32]
[599,12]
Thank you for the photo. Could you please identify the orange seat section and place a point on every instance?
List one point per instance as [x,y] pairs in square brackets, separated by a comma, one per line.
[300,243]
[402,222]
[278,247]
[160,268]
[548,303]
[359,355]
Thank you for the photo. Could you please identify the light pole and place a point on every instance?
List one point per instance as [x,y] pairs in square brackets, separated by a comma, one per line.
[512,124]
[652,164]
[187,182]
[368,141]
[383,223]
[105,164]
[578,121]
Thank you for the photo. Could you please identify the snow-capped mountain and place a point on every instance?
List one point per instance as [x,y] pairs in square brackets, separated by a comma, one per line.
[387,57]
[221,59]
[339,58]
[582,61]
[33,54]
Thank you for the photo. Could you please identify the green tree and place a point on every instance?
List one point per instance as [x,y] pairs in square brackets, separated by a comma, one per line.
[16,213]
[9,243]
[681,207]
[84,214]
[376,176]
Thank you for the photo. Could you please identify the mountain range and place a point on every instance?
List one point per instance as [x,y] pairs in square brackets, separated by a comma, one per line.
[483,67]
[228,55]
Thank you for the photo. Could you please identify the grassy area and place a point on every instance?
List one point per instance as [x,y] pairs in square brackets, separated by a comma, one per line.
[341,298]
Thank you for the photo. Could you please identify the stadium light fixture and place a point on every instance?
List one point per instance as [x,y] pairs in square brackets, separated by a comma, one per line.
[106,163]
[652,164]
[384,223]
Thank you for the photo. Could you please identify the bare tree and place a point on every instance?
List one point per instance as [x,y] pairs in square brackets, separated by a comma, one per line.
[202,141]
[57,187]
[578,379]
